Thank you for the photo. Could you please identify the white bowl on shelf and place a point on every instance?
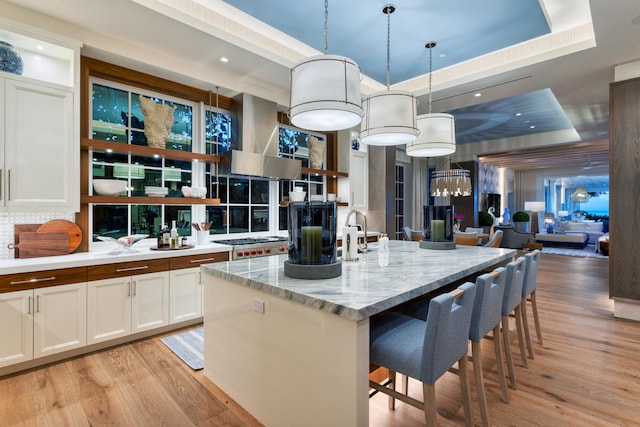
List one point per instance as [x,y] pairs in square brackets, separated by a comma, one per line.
[196,192]
[109,187]
[297,196]
[156,191]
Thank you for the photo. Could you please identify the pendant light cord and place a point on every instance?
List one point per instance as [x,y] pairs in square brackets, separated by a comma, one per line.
[430,46]
[389,9]
[326,26]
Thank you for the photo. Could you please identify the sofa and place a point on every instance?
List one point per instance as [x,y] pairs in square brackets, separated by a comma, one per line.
[595,229]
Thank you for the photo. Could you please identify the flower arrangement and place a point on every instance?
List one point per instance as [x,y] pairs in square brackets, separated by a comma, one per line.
[457,219]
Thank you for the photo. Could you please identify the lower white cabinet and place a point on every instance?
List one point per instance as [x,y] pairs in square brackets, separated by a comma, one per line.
[185,294]
[125,305]
[40,322]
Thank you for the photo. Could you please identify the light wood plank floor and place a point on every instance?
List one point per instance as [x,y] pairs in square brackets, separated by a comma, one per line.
[586,373]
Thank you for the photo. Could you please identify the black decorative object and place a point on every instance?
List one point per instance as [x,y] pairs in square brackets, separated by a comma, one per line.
[438,228]
[10,59]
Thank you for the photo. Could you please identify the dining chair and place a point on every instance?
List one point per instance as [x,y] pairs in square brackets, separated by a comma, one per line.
[511,303]
[529,293]
[495,241]
[468,239]
[425,350]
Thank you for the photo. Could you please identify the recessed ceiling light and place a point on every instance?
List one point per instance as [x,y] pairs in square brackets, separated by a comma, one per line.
[518,114]
[532,127]
[224,59]
[39,47]
[443,55]
[477,95]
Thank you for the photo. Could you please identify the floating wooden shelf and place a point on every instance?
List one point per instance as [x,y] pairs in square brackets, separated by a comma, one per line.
[333,174]
[142,150]
[286,203]
[141,200]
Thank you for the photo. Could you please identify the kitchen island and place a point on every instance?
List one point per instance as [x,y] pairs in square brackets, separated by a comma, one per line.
[296,352]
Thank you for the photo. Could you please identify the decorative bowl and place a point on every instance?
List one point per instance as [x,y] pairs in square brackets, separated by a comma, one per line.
[156,191]
[123,244]
[297,196]
[197,192]
[109,187]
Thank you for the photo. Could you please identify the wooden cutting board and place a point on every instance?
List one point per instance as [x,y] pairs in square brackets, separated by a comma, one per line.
[62,225]
[35,244]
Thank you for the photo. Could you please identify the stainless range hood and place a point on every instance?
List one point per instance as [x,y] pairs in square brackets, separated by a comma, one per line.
[255,132]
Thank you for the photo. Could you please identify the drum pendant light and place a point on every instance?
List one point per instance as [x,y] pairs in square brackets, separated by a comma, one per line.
[437,130]
[389,116]
[325,90]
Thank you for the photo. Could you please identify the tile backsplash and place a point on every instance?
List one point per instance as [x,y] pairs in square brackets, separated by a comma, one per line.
[7,220]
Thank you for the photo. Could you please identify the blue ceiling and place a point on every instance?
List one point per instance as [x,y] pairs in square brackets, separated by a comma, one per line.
[463,29]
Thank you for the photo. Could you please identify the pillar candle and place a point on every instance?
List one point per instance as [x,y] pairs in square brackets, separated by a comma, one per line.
[437,230]
[311,244]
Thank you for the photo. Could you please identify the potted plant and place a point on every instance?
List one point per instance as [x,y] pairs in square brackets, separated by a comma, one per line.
[521,221]
[485,220]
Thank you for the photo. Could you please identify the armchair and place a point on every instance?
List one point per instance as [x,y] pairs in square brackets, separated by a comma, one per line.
[512,238]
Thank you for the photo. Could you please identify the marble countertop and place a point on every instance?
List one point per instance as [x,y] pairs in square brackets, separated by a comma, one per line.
[374,283]
[99,255]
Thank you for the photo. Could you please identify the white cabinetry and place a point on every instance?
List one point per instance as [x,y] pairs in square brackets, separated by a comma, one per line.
[359,180]
[40,164]
[41,322]
[186,294]
[125,305]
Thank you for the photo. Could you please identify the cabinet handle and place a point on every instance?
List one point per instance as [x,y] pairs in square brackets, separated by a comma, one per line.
[195,261]
[129,290]
[120,270]
[9,185]
[34,280]
[38,304]
[134,288]
[29,306]
[1,192]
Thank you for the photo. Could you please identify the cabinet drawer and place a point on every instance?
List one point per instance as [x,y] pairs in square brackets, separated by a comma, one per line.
[122,269]
[177,263]
[39,279]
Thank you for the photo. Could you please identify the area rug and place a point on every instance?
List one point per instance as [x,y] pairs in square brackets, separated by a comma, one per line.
[589,252]
[188,346]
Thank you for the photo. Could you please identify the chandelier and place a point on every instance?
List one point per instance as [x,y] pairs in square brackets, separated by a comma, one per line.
[437,130]
[389,116]
[451,182]
[580,195]
[325,90]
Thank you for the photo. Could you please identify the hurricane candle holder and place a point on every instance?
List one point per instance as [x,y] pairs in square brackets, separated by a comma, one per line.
[312,241]
[438,228]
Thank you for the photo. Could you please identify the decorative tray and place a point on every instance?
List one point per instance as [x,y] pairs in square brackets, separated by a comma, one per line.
[155,248]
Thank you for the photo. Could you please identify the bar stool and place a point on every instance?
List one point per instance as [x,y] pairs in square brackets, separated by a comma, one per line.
[511,303]
[425,350]
[529,293]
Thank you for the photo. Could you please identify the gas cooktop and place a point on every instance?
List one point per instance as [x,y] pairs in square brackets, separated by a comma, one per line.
[250,240]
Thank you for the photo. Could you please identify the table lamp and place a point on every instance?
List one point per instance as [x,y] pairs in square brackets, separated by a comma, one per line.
[534,207]
[562,227]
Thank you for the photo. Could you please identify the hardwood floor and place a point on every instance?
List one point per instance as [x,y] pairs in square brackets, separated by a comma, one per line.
[586,373]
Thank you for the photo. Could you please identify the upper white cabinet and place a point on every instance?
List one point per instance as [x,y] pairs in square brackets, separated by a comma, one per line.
[39,123]
[41,156]
[359,180]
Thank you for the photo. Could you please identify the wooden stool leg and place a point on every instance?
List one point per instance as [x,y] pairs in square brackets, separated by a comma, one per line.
[464,386]
[500,365]
[507,351]
[519,333]
[534,309]
[392,386]
[429,396]
[525,324]
[477,371]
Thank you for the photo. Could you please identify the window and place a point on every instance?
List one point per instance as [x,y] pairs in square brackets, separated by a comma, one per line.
[116,116]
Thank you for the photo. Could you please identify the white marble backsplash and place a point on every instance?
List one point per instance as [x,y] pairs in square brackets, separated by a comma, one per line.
[7,221]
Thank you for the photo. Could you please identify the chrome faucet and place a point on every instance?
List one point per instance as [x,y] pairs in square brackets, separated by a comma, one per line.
[362,247]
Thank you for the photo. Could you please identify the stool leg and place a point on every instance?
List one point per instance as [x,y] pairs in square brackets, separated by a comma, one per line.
[507,351]
[518,320]
[477,371]
[429,396]
[464,386]
[499,364]
[525,324]
[534,309]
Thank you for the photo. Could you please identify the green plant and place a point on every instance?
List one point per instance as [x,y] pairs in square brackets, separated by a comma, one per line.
[485,219]
[521,216]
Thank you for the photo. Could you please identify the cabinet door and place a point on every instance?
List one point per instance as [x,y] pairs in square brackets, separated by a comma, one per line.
[41,157]
[60,319]
[185,293]
[108,309]
[16,327]
[150,301]
[359,181]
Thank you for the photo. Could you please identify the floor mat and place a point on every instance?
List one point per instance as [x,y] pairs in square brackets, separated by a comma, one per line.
[188,346]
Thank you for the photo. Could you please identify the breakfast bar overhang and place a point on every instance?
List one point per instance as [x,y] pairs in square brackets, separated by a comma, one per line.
[295,352]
